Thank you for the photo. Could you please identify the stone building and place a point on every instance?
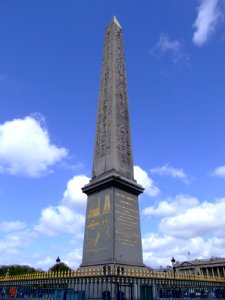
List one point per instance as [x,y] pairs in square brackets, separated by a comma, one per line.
[214,266]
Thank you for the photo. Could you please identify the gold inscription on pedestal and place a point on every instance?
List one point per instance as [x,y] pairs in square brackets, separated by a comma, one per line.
[96,240]
[128,234]
[126,208]
[94,224]
[127,220]
[107,204]
[97,225]
[94,212]
[126,197]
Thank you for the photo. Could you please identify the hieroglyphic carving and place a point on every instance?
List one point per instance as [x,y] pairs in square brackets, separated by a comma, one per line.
[123,127]
[112,144]
[103,133]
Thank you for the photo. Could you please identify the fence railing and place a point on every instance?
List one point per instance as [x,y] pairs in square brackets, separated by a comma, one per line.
[92,272]
[96,284]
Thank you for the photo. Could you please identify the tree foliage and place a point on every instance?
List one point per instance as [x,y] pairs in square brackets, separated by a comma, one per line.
[16,270]
[59,267]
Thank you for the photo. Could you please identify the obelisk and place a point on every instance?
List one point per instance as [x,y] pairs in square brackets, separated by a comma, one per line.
[112,228]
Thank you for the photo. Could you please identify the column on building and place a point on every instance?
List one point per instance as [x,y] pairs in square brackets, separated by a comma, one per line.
[204,271]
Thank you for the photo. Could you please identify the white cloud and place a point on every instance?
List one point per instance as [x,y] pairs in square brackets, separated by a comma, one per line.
[44,263]
[73,194]
[69,215]
[142,178]
[170,171]
[58,220]
[188,225]
[73,258]
[66,218]
[200,220]
[172,47]
[209,15]
[25,148]
[16,242]
[12,226]
[171,207]
[159,249]
[166,44]
[219,171]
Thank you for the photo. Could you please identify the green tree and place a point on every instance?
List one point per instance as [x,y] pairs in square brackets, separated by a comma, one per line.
[59,267]
[16,270]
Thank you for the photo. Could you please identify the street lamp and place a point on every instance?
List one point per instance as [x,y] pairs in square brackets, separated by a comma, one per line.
[58,260]
[57,264]
[173,261]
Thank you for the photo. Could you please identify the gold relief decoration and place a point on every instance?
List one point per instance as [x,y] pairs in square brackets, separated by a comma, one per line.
[95,224]
[106,204]
[94,212]
[94,242]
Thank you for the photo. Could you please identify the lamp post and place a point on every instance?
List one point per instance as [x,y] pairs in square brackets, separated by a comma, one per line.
[173,261]
[57,264]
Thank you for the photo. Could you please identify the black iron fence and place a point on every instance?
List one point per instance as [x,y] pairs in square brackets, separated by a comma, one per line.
[109,285]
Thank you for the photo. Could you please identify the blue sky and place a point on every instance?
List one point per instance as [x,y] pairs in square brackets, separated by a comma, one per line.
[50,61]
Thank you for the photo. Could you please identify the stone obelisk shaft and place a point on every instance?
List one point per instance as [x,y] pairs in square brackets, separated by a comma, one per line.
[113,143]
[112,227]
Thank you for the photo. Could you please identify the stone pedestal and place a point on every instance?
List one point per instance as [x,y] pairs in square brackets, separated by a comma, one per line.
[112,229]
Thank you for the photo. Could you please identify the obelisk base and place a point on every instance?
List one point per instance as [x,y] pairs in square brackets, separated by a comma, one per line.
[112,229]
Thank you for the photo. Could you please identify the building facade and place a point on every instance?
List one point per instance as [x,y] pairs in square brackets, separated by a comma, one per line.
[215,266]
